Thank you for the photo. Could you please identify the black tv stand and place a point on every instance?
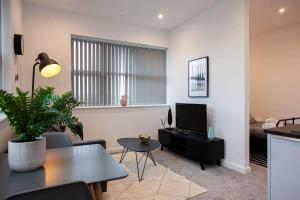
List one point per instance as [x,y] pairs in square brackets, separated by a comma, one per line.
[181,131]
[170,129]
[184,133]
[193,145]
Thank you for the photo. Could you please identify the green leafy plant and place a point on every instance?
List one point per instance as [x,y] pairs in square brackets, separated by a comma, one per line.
[30,117]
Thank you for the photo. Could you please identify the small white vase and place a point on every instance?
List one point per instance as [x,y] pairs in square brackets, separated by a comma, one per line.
[26,156]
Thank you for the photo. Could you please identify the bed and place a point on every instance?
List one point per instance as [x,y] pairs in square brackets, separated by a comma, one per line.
[258,143]
[256,129]
[258,139]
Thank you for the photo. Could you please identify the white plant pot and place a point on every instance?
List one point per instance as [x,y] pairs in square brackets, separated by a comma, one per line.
[26,156]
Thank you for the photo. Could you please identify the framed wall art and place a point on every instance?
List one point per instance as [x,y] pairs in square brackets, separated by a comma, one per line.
[198,77]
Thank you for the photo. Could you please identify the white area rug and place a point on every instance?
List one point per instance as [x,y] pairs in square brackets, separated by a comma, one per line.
[159,183]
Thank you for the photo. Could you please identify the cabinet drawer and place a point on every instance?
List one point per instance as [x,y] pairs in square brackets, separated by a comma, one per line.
[205,151]
[195,151]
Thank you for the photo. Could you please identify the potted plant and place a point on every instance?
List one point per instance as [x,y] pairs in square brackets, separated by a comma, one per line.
[31,117]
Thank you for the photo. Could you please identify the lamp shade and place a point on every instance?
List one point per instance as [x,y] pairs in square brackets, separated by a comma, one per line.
[48,67]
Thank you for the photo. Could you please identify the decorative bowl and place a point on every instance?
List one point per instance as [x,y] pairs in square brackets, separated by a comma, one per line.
[144,139]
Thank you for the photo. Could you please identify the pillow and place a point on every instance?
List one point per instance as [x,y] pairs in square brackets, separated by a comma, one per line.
[252,120]
[56,128]
[268,125]
[73,137]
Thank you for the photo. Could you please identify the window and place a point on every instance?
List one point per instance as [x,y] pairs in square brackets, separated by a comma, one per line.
[104,70]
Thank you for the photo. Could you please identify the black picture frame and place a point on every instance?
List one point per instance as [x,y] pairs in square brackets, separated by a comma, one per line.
[198,77]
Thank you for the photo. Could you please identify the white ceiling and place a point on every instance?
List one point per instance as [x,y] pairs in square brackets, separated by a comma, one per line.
[139,12]
[264,15]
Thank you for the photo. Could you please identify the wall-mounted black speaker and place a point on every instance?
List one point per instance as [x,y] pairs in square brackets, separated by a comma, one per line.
[18,44]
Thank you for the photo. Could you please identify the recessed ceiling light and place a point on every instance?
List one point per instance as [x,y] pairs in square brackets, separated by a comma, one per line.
[282,11]
[160,16]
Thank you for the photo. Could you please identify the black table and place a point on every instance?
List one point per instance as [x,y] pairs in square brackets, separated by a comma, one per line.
[88,163]
[135,145]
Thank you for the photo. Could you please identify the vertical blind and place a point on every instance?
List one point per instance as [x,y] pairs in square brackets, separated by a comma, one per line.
[102,71]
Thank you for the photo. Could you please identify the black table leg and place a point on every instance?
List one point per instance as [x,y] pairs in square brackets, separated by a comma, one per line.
[152,158]
[142,157]
[137,166]
[161,147]
[202,165]
[124,152]
[219,162]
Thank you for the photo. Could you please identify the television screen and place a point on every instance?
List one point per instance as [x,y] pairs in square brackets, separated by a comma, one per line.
[191,117]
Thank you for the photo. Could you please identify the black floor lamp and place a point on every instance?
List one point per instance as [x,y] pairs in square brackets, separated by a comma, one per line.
[47,68]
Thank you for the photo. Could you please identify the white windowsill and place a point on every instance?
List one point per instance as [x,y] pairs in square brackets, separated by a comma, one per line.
[3,117]
[129,106]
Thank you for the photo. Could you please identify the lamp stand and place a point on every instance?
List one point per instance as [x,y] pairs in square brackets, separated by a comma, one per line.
[33,78]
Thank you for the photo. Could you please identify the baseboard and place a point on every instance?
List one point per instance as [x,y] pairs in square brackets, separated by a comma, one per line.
[236,167]
[114,150]
[225,163]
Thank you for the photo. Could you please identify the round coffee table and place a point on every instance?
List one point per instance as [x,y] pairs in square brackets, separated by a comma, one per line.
[135,145]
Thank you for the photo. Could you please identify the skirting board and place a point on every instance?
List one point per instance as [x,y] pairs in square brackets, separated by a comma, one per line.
[114,150]
[236,167]
[225,163]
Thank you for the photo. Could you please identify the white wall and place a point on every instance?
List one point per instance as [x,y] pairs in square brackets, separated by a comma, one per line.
[5,135]
[12,23]
[113,123]
[222,34]
[274,77]
[49,30]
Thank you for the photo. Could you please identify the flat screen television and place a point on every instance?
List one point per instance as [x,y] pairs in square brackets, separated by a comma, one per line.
[191,117]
